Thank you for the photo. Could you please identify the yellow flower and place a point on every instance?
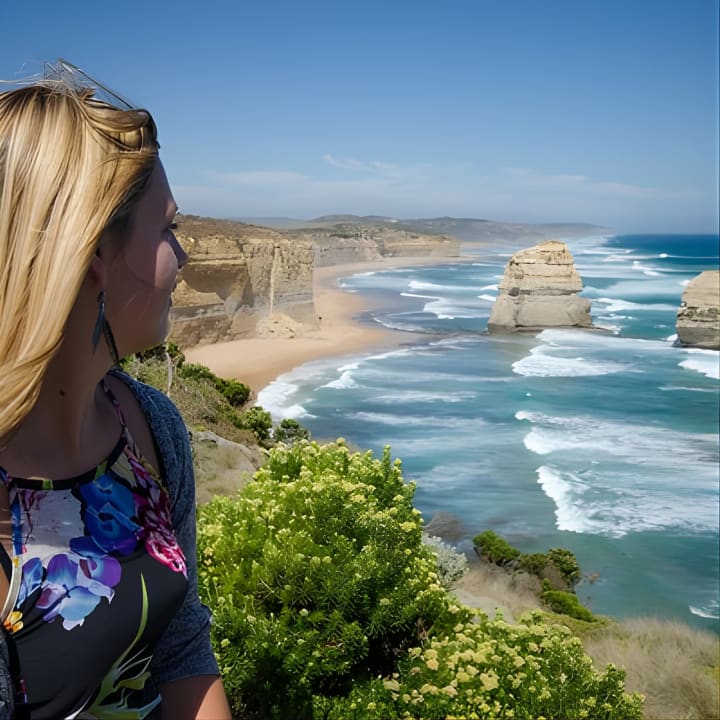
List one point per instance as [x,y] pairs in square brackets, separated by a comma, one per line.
[393,685]
[432,664]
[489,680]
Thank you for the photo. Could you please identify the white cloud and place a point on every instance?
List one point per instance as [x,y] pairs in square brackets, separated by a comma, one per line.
[509,194]
[525,177]
[415,172]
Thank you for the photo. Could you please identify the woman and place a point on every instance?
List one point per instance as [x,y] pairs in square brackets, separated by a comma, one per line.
[97,523]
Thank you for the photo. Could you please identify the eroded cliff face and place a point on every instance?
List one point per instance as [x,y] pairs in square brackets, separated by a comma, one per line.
[237,277]
[698,319]
[538,290]
[350,242]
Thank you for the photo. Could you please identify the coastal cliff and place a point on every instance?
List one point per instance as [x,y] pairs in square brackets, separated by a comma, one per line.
[239,277]
[539,289]
[245,280]
[698,318]
[359,242]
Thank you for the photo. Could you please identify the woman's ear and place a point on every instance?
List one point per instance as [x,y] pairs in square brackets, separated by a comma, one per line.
[97,271]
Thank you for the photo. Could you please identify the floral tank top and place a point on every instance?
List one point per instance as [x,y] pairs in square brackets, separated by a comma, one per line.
[96,575]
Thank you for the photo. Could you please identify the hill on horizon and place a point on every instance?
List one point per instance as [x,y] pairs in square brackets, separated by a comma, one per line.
[465,229]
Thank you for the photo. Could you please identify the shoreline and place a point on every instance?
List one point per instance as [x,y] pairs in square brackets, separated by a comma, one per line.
[258,361]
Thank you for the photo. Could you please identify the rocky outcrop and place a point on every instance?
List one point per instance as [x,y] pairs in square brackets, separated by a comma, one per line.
[237,276]
[698,319]
[352,242]
[538,290]
[244,280]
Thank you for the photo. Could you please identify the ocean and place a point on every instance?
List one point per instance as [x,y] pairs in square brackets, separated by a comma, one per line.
[605,443]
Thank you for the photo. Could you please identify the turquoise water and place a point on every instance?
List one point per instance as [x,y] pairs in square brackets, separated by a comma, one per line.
[604,443]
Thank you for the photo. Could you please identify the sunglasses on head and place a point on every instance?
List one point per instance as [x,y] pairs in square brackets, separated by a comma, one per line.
[64,71]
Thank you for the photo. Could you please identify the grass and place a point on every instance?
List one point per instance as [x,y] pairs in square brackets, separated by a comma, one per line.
[222,468]
[676,667]
[673,665]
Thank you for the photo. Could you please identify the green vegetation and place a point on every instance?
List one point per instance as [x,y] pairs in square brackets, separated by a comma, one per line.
[289,431]
[209,402]
[236,393]
[565,603]
[494,549]
[558,566]
[327,604]
[259,422]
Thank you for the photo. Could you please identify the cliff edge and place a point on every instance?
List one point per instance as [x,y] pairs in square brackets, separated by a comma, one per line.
[698,318]
[538,290]
[238,279]
[348,242]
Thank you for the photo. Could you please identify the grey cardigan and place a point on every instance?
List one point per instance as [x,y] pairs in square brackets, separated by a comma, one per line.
[184,649]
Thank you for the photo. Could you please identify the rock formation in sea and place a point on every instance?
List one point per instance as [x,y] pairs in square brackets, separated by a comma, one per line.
[698,319]
[539,290]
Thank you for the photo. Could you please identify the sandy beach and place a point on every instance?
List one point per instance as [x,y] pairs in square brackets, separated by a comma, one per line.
[258,361]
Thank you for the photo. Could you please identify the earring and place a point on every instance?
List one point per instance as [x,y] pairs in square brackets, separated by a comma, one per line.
[103,326]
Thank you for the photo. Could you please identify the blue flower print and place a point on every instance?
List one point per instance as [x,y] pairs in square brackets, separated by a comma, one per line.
[74,586]
[108,511]
[32,575]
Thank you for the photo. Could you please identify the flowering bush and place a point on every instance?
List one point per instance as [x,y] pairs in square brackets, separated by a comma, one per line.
[491,669]
[317,577]
[328,605]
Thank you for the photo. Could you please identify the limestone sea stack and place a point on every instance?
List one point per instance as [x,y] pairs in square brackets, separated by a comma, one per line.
[698,319]
[539,290]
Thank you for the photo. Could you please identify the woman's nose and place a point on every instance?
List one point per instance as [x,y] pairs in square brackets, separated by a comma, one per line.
[180,254]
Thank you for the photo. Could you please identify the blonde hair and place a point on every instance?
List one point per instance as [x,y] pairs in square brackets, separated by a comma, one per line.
[71,168]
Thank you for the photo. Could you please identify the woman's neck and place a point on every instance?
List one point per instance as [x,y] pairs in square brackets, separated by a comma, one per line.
[72,423]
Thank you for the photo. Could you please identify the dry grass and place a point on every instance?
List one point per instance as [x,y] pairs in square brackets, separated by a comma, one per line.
[490,588]
[221,469]
[672,664]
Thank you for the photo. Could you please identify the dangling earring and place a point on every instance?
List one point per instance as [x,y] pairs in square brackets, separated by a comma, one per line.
[103,326]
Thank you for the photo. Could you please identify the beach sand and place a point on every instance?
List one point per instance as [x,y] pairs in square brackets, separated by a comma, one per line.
[258,361]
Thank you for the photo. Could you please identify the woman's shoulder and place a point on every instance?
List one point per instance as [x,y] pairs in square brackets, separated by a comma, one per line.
[153,420]
[158,409]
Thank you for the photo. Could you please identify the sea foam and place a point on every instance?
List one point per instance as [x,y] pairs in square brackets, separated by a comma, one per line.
[598,508]
[706,362]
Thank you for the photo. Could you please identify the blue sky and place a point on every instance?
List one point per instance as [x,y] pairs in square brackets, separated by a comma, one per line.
[517,110]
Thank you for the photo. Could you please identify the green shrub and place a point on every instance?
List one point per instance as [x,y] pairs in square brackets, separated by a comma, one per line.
[195,371]
[290,431]
[558,564]
[533,563]
[236,393]
[565,603]
[567,564]
[495,549]
[317,577]
[257,420]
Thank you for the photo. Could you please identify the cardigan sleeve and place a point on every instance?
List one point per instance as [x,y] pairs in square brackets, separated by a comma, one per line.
[184,649]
